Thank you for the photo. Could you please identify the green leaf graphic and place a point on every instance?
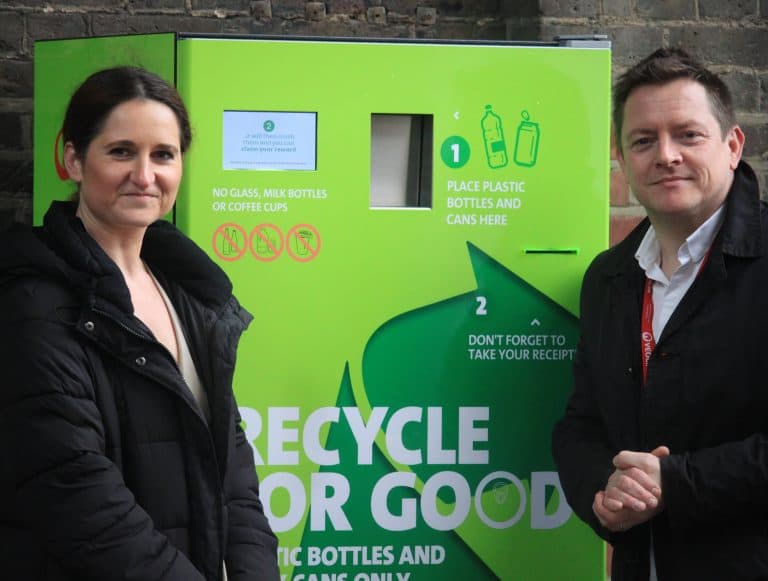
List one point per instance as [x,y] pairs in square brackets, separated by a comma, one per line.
[519,369]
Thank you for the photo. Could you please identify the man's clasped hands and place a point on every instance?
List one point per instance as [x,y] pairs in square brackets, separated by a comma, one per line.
[633,492]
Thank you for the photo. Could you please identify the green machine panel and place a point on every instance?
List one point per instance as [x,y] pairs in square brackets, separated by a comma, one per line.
[409,223]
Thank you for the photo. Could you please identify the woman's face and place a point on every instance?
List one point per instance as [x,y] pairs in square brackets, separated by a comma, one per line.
[130,173]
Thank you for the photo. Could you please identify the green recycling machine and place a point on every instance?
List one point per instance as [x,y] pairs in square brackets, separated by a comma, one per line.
[409,223]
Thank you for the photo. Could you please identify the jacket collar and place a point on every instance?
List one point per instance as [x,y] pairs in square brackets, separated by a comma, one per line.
[171,256]
[740,235]
[87,263]
[742,232]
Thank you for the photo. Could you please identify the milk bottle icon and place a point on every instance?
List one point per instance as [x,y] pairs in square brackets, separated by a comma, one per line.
[493,137]
[265,243]
[527,142]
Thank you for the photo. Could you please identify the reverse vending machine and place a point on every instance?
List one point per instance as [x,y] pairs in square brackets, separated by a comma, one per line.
[409,223]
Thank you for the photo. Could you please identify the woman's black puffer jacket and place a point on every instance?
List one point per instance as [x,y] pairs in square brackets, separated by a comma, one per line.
[108,469]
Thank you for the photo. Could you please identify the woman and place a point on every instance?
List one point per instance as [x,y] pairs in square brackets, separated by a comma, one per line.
[121,451]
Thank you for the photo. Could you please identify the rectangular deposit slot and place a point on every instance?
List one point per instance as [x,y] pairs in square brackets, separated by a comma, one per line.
[401,161]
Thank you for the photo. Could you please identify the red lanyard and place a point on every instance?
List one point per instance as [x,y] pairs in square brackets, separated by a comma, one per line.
[647,341]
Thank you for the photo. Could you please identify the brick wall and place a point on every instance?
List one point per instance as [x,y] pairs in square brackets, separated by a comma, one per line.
[731,36]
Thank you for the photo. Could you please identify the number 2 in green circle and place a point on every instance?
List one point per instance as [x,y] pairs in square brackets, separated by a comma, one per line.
[455,151]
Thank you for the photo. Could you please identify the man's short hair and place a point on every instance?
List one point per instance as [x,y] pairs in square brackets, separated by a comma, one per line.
[666,65]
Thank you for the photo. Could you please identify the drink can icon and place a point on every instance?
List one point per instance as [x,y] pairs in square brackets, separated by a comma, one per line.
[527,142]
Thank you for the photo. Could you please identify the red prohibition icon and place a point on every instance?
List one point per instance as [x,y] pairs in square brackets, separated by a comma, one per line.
[230,242]
[266,242]
[303,242]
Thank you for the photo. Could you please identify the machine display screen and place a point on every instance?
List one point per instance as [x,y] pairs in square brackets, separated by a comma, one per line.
[270,140]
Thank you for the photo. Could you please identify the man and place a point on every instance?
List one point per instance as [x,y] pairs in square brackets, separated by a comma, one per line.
[663,449]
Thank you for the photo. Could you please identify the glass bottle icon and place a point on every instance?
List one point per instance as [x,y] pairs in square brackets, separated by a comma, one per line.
[231,243]
[493,137]
[527,141]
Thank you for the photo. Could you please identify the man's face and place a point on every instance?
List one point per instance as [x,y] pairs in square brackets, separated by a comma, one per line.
[673,152]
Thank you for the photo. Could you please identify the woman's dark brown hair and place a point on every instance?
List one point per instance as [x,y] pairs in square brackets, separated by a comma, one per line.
[100,93]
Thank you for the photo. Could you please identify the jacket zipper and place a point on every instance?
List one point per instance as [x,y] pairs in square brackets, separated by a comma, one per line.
[138,334]
[155,343]
[218,482]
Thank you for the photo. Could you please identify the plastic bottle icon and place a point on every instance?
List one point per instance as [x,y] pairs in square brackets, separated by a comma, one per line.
[493,137]
[527,142]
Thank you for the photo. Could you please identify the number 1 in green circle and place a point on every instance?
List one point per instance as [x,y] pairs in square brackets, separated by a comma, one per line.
[455,151]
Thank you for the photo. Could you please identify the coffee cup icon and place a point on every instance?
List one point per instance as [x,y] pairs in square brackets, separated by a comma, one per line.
[304,241]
